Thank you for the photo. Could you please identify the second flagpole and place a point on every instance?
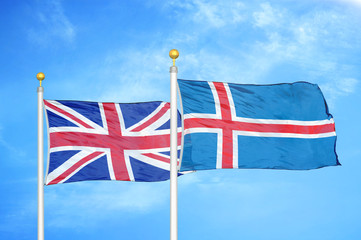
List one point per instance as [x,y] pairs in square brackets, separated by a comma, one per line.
[173,148]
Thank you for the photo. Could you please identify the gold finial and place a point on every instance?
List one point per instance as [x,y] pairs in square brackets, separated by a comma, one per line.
[173,54]
[40,76]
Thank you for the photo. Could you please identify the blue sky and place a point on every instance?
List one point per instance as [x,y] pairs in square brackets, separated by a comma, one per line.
[118,51]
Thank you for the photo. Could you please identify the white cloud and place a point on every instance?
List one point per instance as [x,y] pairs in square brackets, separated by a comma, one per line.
[347,85]
[218,15]
[214,186]
[352,2]
[268,16]
[311,42]
[188,179]
[122,75]
[284,38]
[215,14]
[52,24]
[304,34]
[340,87]
[135,76]
[88,203]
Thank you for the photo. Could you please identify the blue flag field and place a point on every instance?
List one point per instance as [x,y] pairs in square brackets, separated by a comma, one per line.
[282,126]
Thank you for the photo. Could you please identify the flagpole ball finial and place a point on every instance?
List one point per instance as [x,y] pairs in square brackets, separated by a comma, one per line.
[174,55]
[40,76]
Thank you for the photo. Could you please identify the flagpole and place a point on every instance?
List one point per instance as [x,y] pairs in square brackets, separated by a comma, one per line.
[173,148]
[40,76]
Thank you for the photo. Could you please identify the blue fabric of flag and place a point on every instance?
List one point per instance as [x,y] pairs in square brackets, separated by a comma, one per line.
[279,126]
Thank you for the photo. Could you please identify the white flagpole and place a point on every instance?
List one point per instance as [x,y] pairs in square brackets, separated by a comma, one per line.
[173,148]
[40,76]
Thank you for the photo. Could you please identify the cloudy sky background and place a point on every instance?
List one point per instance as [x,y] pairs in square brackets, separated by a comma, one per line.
[118,51]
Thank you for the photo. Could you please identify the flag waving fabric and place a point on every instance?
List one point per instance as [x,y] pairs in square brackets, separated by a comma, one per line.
[108,141]
[282,126]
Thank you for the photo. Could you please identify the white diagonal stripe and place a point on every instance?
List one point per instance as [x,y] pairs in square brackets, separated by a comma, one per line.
[158,109]
[74,113]
[151,161]
[128,165]
[69,163]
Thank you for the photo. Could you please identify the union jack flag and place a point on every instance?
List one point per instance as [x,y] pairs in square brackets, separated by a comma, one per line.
[108,141]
